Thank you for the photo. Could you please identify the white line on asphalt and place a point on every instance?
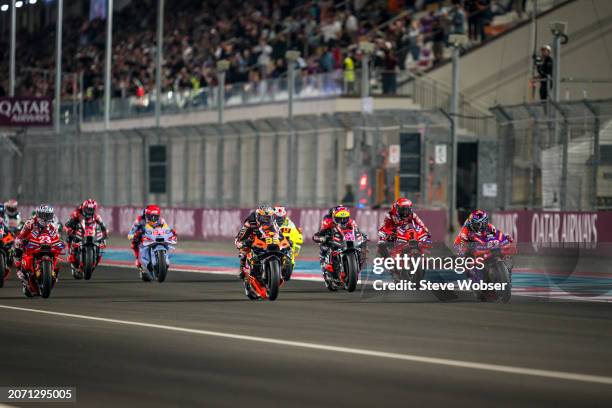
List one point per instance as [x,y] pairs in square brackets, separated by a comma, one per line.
[355,351]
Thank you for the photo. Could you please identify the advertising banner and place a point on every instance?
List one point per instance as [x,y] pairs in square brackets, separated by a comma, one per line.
[545,229]
[24,112]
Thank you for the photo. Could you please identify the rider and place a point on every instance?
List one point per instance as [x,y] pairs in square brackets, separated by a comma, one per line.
[3,214]
[13,217]
[289,231]
[41,222]
[85,211]
[400,215]
[476,229]
[150,215]
[262,217]
[336,216]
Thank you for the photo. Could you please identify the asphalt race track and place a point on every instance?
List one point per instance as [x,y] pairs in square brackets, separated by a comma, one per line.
[196,340]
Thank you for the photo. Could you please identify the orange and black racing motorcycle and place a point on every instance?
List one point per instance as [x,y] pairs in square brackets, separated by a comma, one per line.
[270,254]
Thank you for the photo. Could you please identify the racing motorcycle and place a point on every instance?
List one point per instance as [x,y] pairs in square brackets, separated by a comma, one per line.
[413,241]
[344,259]
[496,253]
[39,262]
[270,254]
[89,243]
[155,247]
[6,244]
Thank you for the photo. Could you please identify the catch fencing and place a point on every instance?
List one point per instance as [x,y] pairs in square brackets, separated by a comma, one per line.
[555,155]
[305,163]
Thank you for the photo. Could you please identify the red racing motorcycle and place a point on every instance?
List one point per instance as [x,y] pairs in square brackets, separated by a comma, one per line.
[88,244]
[413,241]
[39,263]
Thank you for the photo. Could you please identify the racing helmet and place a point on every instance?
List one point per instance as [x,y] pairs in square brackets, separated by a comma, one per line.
[478,221]
[152,213]
[280,214]
[264,216]
[89,207]
[11,207]
[2,212]
[44,214]
[341,216]
[403,208]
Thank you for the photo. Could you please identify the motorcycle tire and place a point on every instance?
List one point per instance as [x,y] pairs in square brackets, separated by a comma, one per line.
[287,271]
[2,269]
[88,262]
[351,269]
[161,268]
[501,274]
[272,278]
[46,280]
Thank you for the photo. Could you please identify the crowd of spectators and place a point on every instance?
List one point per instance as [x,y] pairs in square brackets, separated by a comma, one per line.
[253,36]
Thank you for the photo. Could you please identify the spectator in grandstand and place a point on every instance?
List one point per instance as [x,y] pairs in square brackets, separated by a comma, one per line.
[438,38]
[457,17]
[349,74]
[389,76]
[253,36]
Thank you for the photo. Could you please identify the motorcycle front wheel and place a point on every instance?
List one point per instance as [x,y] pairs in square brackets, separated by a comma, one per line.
[272,278]
[2,268]
[351,269]
[161,268]
[46,280]
[88,262]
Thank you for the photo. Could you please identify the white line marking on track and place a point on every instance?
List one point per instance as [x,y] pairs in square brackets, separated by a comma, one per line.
[597,379]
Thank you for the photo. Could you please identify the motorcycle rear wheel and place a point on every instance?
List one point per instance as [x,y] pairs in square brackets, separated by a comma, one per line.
[501,274]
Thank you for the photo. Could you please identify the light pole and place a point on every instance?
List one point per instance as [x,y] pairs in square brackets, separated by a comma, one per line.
[158,60]
[559,32]
[291,57]
[367,48]
[457,41]
[222,67]
[12,51]
[107,68]
[58,65]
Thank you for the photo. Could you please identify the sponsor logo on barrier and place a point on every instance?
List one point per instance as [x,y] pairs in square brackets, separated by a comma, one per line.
[25,112]
[127,216]
[183,220]
[550,229]
[310,221]
[508,224]
[220,223]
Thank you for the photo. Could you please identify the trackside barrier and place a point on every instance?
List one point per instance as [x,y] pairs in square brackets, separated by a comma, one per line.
[211,224]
